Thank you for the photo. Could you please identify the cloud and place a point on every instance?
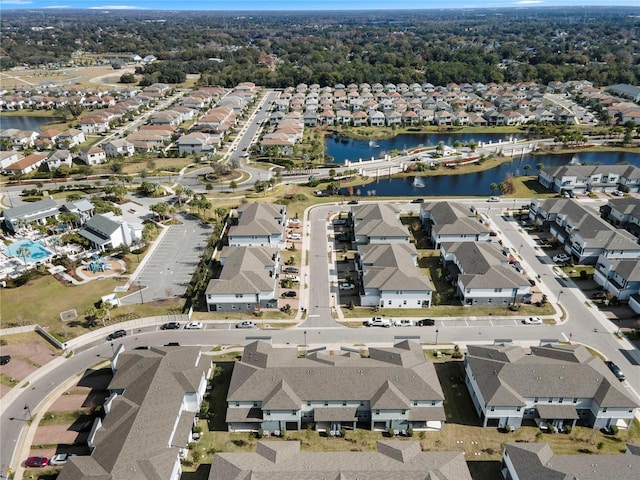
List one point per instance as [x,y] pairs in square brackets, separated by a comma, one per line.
[17,2]
[528,2]
[117,7]
[56,6]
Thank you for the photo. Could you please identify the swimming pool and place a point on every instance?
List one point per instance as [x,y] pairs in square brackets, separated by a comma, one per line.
[36,251]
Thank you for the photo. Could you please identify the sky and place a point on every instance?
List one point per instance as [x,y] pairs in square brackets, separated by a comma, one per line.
[299,5]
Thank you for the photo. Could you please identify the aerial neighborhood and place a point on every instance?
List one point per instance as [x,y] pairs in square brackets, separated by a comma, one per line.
[214,274]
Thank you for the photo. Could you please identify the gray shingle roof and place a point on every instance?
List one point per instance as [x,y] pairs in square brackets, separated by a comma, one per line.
[259,219]
[246,270]
[391,266]
[137,438]
[378,220]
[321,376]
[506,376]
[536,461]
[32,211]
[393,460]
[451,218]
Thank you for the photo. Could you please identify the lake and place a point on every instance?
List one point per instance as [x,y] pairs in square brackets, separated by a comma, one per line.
[471,184]
[343,148]
[26,122]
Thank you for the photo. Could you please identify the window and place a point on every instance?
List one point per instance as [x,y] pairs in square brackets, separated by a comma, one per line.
[294,412]
[268,412]
[497,290]
[415,404]
[575,400]
[561,400]
[604,409]
[404,412]
[433,402]
[344,403]
[255,404]
[518,409]
[308,404]
[377,412]
[238,295]
[535,399]
[550,400]
[237,404]
[493,409]
[326,404]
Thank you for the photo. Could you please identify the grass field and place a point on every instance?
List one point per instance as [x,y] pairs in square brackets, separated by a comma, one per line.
[41,301]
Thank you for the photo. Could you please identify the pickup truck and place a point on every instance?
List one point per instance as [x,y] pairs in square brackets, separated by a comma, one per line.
[378,322]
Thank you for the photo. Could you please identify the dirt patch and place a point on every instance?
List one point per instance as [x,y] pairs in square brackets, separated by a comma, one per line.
[31,351]
[57,434]
[78,401]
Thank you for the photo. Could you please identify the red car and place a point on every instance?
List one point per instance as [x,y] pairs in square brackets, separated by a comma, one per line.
[36,462]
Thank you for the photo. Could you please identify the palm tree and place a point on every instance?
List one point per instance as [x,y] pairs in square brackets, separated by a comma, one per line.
[539,166]
[493,187]
[23,252]
[527,167]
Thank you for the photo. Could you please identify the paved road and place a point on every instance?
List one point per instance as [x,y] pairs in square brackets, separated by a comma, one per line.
[169,268]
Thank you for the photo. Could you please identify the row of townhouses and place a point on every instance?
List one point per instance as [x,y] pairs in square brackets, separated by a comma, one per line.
[581,179]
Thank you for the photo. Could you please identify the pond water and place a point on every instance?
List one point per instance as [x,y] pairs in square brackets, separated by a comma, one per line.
[26,122]
[343,148]
[478,183]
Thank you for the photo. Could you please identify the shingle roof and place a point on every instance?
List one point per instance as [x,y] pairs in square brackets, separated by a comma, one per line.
[378,220]
[536,461]
[246,270]
[140,436]
[392,460]
[391,266]
[506,376]
[450,218]
[321,376]
[259,219]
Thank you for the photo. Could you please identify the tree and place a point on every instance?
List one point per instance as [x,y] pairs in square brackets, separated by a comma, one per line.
[23,252]
[233,185]
[127,78]
[526,168]
[539,166]
[161,209]
[493,187]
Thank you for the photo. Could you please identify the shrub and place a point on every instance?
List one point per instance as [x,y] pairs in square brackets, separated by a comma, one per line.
[614,429]
[390,432]
[409,432]
[260,433]
[600,445]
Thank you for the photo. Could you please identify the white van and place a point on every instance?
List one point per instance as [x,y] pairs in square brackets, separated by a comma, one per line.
[294,236]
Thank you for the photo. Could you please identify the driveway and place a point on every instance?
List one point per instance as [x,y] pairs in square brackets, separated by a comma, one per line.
[171,264]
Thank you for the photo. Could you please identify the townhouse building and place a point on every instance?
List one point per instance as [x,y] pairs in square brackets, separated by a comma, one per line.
[259,224]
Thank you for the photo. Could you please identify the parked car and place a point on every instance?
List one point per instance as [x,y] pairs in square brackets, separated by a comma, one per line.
[378,322]
[60,458]
[170,326]
[493,199]
[426,322]
[352,202]
[4,359]
[193,326]
[405,322]
[599,296]
[532,321]
[561,257]
[36,462]
[532,282]
[346,286]
[291,270]
[289,294]
[340,221]
[246,324]
[417,200]
[295,221]
[116,334]
[616,370]
[294,236]
[342,238]
[617,193]
[293,278]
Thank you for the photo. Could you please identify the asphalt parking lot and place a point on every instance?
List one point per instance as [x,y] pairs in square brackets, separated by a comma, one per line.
[168,271]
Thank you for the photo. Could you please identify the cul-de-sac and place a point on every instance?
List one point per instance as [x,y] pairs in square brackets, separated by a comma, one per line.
[355,244]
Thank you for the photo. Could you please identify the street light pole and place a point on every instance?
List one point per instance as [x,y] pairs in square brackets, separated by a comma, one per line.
[437,331]
[112,349]
[559,293]
[26,407]
[140,290]
[305,343]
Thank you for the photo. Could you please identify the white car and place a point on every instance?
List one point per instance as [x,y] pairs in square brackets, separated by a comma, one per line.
[294,236]
[378,322]
[561,257]
[246,324]
[532,321]
[403,323]
[293,278]
[60,458]
[493,199]
[346,286]
[193,326]
[295,221]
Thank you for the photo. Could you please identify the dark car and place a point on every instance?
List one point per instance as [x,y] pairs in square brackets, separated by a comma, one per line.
[616,370]
[36,462]
[170,326]
[116,334]
[291,270]
[417,200]
[342,238]
[532,282]
[426,322]
[599,296]
[352,202]
[4,359]
[289,294]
